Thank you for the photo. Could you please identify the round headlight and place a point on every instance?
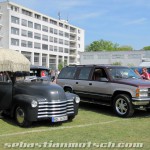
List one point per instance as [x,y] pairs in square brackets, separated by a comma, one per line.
[34,103]
[77,99]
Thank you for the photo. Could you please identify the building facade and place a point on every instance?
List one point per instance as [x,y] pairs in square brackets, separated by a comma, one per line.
[125,58]
[45,41]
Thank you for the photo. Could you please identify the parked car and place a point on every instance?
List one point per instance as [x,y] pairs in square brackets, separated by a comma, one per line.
[114,86]
[33,101]
[40,72]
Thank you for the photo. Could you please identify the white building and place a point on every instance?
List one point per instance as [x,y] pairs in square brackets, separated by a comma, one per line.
[45,41]
[125,58]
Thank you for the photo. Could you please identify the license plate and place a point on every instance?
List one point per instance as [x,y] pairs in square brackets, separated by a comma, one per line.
[59,119]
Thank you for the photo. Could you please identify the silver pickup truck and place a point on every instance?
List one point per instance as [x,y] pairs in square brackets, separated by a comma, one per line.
[115,86]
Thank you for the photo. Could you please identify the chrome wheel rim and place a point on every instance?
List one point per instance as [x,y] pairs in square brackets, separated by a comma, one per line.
[121,106]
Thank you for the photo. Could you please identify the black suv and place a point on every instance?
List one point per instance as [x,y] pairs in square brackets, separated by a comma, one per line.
[115,86]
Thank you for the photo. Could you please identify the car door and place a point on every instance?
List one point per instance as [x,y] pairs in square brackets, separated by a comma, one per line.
[5,92]
[82,82]
[100,86]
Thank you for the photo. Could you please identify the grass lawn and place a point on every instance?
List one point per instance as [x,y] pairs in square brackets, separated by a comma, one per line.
[93,124]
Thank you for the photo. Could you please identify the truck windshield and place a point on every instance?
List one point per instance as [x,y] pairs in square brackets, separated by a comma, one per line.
[122,73]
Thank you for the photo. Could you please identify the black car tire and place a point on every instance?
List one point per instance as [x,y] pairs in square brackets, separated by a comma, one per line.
[68,89]
[20,117]
[70,118]
[148,109]
[122,105]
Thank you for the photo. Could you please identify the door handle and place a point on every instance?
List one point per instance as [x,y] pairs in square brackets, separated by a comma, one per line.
[90,83]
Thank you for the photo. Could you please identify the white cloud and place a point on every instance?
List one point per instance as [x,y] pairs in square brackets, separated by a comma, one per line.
[137,21]
[89,15]
[65,4]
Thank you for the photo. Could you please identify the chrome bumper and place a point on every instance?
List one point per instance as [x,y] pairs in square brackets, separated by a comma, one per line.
[141,101]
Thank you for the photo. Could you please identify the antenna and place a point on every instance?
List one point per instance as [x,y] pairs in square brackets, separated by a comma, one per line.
[59,15]
[67,18]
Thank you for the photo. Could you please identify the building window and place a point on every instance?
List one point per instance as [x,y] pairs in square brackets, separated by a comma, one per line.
[30,44]
[55,31]
[23,43]
[14,42]
[66,26]
[51,47]
[66,42]
[25,12]
[37,16]
[14,31]
[44,47]
[53,22]
[51,39]
[60,41]
[30,24]
[61,49]
[37,36]
[55,48]
[37,26]
[55,40]
[44,37]
[36,57]
[45,28]
[24,22]
[37,45]
[45,19]
[66,50]
[14,20]
[60,33]
[60,24]
[14,8]
[23,32]
[30,34]
[51,30]
[66,35]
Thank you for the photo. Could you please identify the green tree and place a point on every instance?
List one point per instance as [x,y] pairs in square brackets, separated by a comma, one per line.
[125,48]
[116,63]
[60,65]
[146,48]
[102,45]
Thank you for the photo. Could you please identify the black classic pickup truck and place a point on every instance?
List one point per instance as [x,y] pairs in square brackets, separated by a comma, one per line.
[36,99]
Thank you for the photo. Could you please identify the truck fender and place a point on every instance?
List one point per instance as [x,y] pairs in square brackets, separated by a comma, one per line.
[24,101]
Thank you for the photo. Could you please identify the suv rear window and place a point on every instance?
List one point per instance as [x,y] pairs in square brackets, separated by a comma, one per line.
[67,73]
[84,73]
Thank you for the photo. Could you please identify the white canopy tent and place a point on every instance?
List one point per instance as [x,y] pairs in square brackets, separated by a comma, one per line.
[11,60]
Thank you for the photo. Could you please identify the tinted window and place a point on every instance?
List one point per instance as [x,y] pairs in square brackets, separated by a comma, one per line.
[84,73]
[67,73]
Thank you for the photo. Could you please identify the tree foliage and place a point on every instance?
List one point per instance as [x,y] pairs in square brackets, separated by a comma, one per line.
[146,48]
[125,48]
[103,45]
[60,65]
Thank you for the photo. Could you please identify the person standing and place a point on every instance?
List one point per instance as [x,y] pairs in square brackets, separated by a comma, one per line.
[145,74]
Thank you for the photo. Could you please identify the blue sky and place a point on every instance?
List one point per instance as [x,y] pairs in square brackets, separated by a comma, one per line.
[126,22]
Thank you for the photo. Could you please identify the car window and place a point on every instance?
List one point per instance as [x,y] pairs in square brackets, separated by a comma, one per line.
[118,73]
[4,76]
[98,74]
[84,73]
[67,73]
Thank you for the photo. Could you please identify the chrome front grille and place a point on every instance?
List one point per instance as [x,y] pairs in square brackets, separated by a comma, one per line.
[55,108]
